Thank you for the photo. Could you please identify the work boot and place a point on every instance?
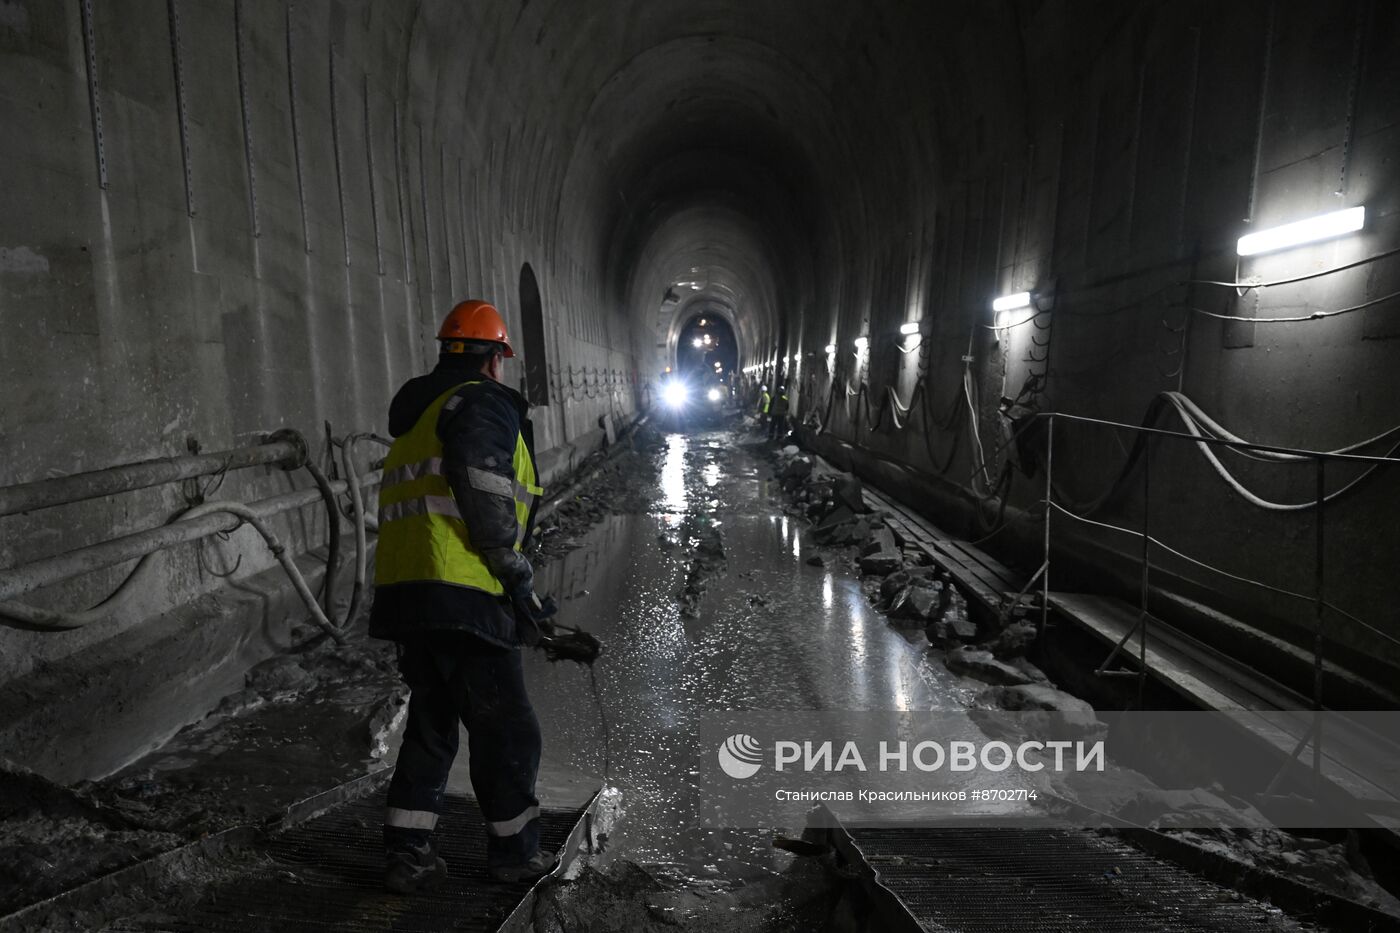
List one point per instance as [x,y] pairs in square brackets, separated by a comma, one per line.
[414,868]
[534,869]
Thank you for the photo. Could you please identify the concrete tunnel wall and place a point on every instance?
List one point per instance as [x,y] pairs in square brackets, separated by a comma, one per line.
[282,227]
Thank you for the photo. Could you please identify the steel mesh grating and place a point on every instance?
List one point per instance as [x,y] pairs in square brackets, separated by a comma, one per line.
[973,880]
[328,875]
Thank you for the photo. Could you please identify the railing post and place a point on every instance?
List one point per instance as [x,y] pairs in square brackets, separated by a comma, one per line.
[1318,609]
[1049,498]
[1146,563]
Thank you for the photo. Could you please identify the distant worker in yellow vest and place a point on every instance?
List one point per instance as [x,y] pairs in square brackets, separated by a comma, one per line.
[764,400]
[453,590]
[777,414]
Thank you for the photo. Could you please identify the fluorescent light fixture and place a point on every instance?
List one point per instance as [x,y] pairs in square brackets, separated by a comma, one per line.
[862,343]
[911,328]
[1322,227]
[1012,302]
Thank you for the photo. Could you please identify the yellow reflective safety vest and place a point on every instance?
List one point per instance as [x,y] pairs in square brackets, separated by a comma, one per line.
[763,400]
[422,537]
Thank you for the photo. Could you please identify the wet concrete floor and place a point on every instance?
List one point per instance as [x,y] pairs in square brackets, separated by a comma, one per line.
[771,633]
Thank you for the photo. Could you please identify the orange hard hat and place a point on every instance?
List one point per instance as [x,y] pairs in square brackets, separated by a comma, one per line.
[476,320]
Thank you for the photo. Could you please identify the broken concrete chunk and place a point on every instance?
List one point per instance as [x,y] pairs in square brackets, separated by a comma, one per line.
[881,540]
[1049,712]
[960,626]
[893,583]
[903,611]
[881,564]
[1040,697]
[791,450]
[1014,641]
[938,634]
[837,516]
[796,471]
[922,603]
[983,666]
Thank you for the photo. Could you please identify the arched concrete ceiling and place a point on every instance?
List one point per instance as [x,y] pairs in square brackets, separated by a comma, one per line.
[764,143]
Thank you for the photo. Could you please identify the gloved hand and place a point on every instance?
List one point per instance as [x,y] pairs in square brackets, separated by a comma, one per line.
[532,615]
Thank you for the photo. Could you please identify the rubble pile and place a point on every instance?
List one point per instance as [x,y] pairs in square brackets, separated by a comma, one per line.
[911,591]
[617,481]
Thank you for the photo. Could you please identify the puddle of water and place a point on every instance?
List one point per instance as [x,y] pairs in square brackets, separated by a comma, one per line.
[772,633]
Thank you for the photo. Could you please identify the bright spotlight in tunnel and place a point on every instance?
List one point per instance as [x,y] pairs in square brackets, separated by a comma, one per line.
[831,348]
[1012,302]
[862,343]
[675,393]
[1322,227]
[713,395]
[697,343]
[910,328]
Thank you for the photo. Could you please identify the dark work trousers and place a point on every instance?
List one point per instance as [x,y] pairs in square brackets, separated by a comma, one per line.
[777,426]
[455,677]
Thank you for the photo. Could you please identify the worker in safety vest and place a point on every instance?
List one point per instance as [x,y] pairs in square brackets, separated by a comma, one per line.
[764,399]
[777,414]
[454,591]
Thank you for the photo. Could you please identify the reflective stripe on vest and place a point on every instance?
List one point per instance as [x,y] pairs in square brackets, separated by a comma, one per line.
[421,533]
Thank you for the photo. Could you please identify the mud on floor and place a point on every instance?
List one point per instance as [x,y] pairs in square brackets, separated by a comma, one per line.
[305,721]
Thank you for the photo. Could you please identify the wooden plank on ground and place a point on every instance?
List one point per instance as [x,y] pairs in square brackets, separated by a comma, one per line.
[967,573]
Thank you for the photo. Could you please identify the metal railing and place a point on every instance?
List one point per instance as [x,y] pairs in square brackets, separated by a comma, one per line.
[1318,506]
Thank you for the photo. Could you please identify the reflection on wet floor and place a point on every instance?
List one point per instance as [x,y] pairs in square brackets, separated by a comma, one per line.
[772,633]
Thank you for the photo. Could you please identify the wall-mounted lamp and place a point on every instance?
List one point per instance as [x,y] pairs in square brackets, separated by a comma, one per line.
[910,328]
[1322,227]
[831,348]
[862,343]
[1012,302]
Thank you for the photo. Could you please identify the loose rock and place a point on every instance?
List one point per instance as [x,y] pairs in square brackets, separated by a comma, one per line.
[983,666]
[880,564]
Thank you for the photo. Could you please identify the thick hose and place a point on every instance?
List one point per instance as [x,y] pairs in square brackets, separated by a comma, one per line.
[20,615]
[332,536]
[57,621]
[283,557]
[357,500]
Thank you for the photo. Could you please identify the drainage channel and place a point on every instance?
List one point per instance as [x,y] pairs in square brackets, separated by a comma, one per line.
[1047,880]
[327,874]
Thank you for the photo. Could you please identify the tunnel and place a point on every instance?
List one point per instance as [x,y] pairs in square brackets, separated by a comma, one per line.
[1042,367]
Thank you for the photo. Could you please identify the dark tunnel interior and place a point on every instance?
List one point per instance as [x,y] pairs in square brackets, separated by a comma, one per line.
[707,348]
[1097,303]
